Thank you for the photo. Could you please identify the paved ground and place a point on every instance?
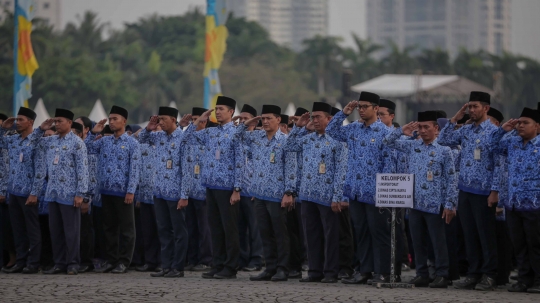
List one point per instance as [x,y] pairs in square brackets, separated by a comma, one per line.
[140,287]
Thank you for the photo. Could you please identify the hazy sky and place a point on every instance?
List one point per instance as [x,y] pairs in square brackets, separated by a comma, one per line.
[346,16]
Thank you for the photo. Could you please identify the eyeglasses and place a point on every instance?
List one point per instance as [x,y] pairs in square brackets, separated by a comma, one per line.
[364,107]
[382,114]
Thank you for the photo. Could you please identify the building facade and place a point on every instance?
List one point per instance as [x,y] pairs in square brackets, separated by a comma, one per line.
[49,11]
[445,24]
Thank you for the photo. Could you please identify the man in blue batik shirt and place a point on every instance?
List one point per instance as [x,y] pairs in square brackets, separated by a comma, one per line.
[478,190]
[23,188]
[273,187]
[66,166]
[321,191]
[435,194]
[367,157]
[523,204]
[119,164]
[223,180]
[170,192]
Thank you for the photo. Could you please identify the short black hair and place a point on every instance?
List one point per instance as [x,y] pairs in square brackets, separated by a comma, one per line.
[391,111]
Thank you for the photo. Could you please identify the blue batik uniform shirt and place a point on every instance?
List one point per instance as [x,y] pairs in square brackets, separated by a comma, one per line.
[194,163]
[66,165]
[148,173]
[274,169]
[478,176]
[92,169]
[368,155]
[118,164]
[321,187]
[433,159]
[23,160]
[168,185]
[4,171]
[225,158]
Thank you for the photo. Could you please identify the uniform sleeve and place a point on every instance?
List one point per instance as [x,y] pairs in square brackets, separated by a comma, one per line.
[450,177]
[36,135]
[336,129]
[3,138]
[40,166]
[449,136]
[293,142]
[81,164]
[239,162]
[191,136]
[242,136]
[93,146]
[289,171]
[340,158]
[4,171]
[134,167]
[186,173]
[146,137]
[393,140]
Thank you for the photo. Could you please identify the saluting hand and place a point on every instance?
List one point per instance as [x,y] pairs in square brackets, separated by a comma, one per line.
[347,110]
[252,122]
[47,124]
[185,120]
[460,114]
[236,120]
[409,128]
[98,128]
[8,123]
[153,123]
[510,124]
[304,120]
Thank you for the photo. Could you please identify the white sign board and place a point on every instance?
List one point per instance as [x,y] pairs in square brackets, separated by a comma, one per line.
[394,190]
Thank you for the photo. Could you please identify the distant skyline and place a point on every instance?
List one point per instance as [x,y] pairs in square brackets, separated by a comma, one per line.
[346,16]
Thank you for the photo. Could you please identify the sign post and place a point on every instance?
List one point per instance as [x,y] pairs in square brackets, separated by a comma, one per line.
[394,191]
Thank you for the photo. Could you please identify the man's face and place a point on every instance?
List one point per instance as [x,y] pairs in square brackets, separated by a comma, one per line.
[494,121]
[320,120]
[385,116]
[48,133]
[194,118]
[77,133]
[223,113]
[167,123]
[245,116]
[117,122]
[23,123]
[367,111]
[270,122]
[477,110]
[428,130]
[85,129]
[63,125]
[284,128]
[527,128]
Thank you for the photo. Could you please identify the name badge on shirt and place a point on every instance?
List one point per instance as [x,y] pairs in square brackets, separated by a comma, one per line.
[477,154]
[218,154]
[429,176]
[169,164]
[197,169]
[322,168]
[273,157]
[56,159]
[21,157]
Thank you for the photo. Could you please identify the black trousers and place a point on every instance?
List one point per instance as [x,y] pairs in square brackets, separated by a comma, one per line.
[149,235]
[272,219]
[372,231]
[99,248]
[346,246]
[173,234]
[200,241]
[138,251]
[504,253]
[524,230]
[424,225]
[47,260]
[478,221]
[321,226]
[295,231]
[26,231]
[119,228]
[223,221]
[251,247]
[65,226]
[452,246]
[6,235]
[87,239]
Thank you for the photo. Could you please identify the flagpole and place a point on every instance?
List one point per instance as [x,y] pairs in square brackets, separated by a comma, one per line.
[15,54]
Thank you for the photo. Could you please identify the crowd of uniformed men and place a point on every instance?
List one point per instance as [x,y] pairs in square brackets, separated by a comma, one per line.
[288,194]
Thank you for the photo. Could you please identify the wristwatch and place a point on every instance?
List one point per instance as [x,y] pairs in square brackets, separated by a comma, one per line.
[237,189]
[289,193]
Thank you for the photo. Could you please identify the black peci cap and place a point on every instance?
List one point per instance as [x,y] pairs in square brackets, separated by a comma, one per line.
[427,116]
[321,107]
[492,112]
[271,109]
[119,111]
[249,109]
[3,117]
[222,100]
[480,96]
[369,97]
[335,110]
[25,111]
[284,119]
[197,111]
[531,113]
[387,103]
[300,111]
[168,111]
[64,113]
[78,126]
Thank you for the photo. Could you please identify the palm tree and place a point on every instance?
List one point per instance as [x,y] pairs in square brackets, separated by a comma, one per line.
[435,61]
[399,61]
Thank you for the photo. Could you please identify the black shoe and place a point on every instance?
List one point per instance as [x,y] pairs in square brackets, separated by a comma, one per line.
[468,283]
[145,268]
[120,269]
[279,276]
[358,278]
[54,271]
[344,275]
[225,274]
[439,282]
[264,276]
[517,287]
[305,267]
[174,273]
[160,273]
[201,267]
[535,289]
[106,267]
[515,277]
[210,274]
[420,281]
[329,280]
[13,269]
[295,274]
[251,268]
[380,279]
[30,270]
[486,283]
[83,268]
[405,267]
[73,271]
[309,279]
[189,267]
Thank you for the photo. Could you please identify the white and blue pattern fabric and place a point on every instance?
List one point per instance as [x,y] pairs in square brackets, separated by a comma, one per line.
[475,176]
[194,156]
[92,169]
[168,185]
[523,171]
[22,162]
[225,159]
[118,164]
[435,160]
[274,169]
[66,166]
[4,171]
[368,155]
[316,186]
[247,175]
[145,194]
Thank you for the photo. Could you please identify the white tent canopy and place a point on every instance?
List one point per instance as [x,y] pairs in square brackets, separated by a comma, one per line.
[173,104]
[98,112]
[41,113]
[291,109]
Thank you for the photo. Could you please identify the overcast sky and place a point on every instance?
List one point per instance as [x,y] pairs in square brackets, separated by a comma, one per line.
[346,16]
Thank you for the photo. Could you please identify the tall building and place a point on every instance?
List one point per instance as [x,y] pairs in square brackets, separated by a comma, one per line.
[47,10]
[445,24]
[289,22]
